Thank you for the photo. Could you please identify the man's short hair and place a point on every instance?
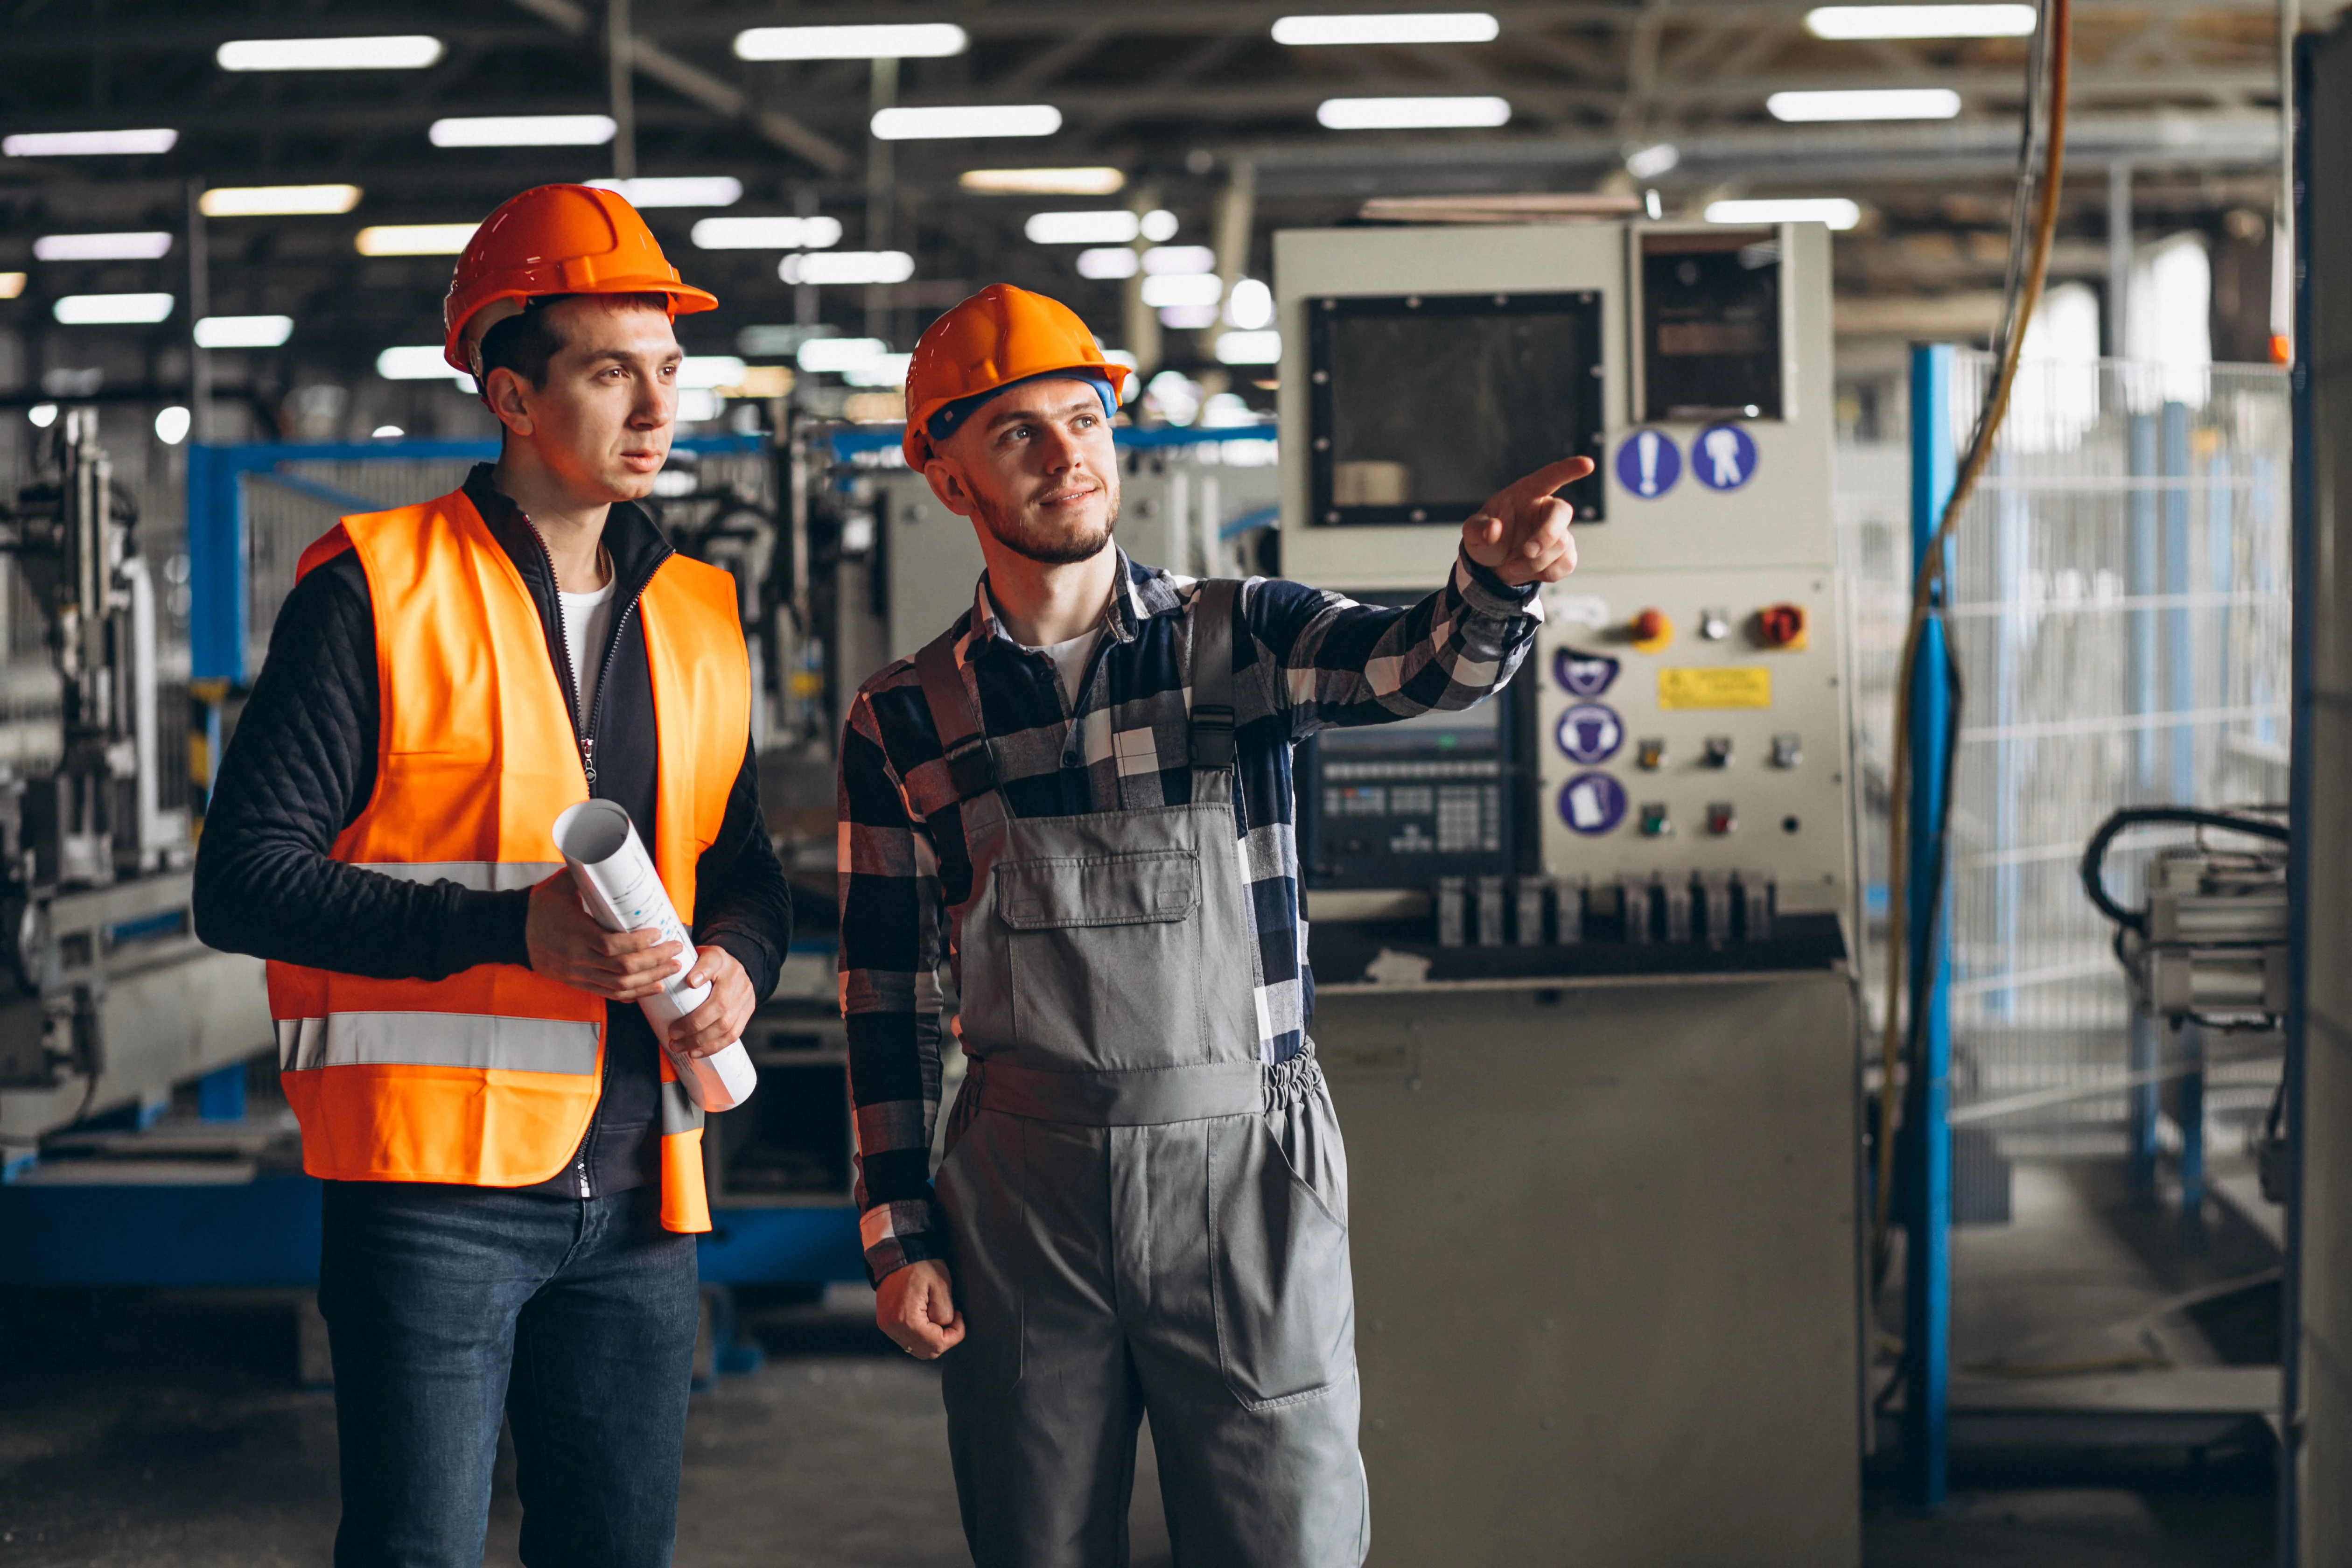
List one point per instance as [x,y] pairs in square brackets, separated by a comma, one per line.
[524,343]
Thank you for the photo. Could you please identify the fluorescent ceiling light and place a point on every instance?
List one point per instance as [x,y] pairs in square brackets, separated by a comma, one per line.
[1250,347]
[949,122]
[386,432]
[1835,211]
[1196,289]
[1167,260]
[1397,27]
[837,355]
[523,130]
[243,331]
[847,266]
[677,191]
[113,310]
[11,285]
[1111,262]
[415,362]
[1866,103]
[1250,306]
[1649,163]
[873,41]
[1411,113]
[882,370]
[415,239]
[1920,21]
[1097,181]
[767,232]
[406,51]
[277,201]
[42,414]
[1082,228]
[150,246]
[696,405]
[171,425]
[81,143]
[1188,317]
[710,370]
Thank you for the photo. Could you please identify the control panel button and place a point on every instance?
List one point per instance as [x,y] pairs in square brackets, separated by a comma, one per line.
[1718,750]
[1782,625]
[1655,824]
[1788,751]
[1721,818]
[1650,754]
[1651,630]
[1715,625]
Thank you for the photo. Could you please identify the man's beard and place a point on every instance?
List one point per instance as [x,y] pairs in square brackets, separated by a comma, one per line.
[1016,534]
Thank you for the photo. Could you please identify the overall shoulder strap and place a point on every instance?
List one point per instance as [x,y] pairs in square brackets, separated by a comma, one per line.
[971,766]
[1212,673]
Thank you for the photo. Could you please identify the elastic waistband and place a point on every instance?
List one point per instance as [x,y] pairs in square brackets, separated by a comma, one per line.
[1144,1096]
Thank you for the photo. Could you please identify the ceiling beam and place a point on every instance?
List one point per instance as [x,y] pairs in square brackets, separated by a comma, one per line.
[693,83]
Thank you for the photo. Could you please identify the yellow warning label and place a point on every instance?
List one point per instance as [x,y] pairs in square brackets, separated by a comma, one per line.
[1715,686]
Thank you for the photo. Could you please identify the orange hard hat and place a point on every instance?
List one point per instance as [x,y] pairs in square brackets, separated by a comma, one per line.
[997,337]
[556,239]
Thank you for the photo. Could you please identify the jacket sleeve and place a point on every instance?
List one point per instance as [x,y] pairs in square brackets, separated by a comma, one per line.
[741,902]
[1331,662]
[299,770]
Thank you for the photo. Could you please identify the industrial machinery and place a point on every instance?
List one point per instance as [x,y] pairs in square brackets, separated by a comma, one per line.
[1583,988]
[109,998]
[2209,945]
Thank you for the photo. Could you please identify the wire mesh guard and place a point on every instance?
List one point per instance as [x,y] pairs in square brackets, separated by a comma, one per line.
[2121,621]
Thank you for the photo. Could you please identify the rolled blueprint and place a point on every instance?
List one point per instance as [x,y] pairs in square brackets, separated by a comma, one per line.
[621,892]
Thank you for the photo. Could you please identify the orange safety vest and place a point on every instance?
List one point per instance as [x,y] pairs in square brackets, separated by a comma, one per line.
[488,1077]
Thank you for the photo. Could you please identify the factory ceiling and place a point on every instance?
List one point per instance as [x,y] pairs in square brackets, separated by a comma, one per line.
[1179,99]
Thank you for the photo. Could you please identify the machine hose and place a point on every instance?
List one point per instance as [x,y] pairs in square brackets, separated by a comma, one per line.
[2048,71]
[2095,854]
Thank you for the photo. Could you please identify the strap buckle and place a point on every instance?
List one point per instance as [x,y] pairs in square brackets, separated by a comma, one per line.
[972,767]
[1213,735]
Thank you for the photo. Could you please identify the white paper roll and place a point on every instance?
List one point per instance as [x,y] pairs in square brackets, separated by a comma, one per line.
[621,892]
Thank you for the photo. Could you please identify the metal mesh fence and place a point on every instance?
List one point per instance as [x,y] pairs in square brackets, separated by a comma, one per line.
[2120,620]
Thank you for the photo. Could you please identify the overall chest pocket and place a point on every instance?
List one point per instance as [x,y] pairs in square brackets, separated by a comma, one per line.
[1105,958]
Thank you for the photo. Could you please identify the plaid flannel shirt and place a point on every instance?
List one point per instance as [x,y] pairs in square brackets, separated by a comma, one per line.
[1309,660]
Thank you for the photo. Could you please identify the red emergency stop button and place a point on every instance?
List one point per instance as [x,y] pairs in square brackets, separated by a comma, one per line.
[1782,625]
[1650,631]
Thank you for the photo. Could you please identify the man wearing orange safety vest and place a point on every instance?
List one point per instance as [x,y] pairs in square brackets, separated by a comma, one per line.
[513,1171]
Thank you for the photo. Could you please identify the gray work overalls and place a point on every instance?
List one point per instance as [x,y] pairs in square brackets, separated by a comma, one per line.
[1145,1217]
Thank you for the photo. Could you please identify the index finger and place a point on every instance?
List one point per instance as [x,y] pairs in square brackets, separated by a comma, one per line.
[1546,479]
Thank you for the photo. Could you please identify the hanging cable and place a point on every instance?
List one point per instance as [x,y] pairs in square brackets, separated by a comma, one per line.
[2048,66]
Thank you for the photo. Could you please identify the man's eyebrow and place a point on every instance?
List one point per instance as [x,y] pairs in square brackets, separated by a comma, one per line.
[1075,405]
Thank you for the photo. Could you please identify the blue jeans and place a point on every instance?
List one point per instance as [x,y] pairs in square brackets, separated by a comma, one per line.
[446,1305]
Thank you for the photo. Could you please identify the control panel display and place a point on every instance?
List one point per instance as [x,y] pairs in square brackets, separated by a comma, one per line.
[1401,805]
[1710,331]
[1499,385]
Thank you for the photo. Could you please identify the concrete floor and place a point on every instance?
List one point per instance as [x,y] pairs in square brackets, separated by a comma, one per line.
[166,1431]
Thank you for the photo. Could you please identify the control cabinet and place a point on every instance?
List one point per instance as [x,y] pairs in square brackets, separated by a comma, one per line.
[1680,727]
[1602,1059]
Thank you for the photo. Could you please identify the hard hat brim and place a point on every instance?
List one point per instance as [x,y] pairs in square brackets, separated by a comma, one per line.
[684,300]
[916,444]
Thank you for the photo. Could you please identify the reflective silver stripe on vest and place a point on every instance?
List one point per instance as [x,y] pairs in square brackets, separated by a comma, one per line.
[436,1040]
[679,1113]
[482,875]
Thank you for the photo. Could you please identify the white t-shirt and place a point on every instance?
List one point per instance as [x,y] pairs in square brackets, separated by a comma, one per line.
[1070,662]
[587,626]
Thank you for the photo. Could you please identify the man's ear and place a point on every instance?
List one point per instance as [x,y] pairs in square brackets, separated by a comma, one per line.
[946,478]
[505,393]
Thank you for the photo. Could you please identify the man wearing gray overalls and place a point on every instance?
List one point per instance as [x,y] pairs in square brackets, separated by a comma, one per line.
[1080,795]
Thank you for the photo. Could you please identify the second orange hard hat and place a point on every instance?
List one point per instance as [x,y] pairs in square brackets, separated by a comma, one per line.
[998,336]
[556,239]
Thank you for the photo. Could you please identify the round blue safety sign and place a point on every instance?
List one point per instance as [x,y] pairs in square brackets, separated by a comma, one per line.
[1590,733]
[1591,804]
[1648,463]
[1724,457]
[1582,674]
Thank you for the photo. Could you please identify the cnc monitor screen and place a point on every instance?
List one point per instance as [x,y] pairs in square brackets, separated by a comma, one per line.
[1711,326]
[1425,405]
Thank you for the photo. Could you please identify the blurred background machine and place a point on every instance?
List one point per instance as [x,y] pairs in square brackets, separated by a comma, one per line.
[110,1000]
[1583,987]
